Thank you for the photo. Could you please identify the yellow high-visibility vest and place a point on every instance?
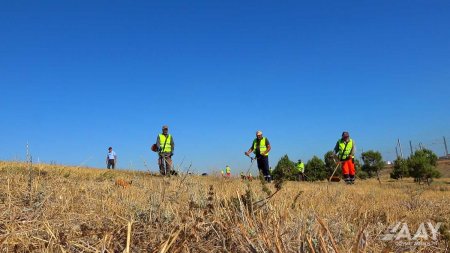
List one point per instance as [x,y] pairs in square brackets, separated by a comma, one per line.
[262,146]
[167,148]
[301,167]
[345,154]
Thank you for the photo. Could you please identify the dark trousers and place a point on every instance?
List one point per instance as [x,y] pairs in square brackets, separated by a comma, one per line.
[111,163]
[165,164]
[263,166]
[300,176]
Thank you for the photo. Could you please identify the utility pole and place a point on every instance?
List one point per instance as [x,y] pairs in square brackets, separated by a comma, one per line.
[410,146]
[400,147]
[396,150]
[445,145]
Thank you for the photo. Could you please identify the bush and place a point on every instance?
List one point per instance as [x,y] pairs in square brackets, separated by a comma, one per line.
[285,169]
[422,166]
[358,167]
[315,169]
[362,174]
[400,169]
[372,163]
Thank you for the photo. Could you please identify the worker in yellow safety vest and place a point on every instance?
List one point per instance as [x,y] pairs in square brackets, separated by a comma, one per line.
[345,150]
[228,171]
[165,146]
[300,170]
[261,148]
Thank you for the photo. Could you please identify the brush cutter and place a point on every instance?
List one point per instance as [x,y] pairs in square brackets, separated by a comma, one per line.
[333,178]
[303,174]
[251,164]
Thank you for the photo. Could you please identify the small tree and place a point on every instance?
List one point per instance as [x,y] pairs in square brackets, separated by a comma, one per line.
[373,163]
[400,169]
[285,169]
[422,165]
[315,169]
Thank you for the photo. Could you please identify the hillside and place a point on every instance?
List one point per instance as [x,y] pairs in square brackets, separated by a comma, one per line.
[444,168]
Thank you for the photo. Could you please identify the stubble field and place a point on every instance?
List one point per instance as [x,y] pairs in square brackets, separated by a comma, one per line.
[68,209]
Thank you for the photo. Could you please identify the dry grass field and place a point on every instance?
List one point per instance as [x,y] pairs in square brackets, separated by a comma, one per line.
[68,209]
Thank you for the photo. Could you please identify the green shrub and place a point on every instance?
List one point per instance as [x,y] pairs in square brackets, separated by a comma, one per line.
[362,174]
[315,169]
[422,166]
[400,169]
[372,163]
[285,169]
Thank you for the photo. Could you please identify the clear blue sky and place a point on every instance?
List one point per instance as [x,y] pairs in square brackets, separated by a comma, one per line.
[79,76]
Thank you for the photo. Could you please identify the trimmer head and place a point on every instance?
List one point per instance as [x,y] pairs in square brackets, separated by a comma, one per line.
[335,179]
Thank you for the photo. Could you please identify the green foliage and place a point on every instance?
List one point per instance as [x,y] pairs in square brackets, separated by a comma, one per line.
[358,166]
[285,169]
[331,162]
[315,169]
[372,162]
[400,169]
[361,174]
[422,165]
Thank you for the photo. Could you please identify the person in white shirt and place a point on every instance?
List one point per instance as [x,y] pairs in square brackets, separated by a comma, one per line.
[111,158]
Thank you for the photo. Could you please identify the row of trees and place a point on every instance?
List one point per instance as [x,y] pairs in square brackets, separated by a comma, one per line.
[421,166]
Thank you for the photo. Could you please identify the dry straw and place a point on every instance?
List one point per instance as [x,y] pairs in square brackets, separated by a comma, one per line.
[82,210]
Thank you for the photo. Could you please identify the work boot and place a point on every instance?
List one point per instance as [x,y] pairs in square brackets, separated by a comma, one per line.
[347,178]
[352,179]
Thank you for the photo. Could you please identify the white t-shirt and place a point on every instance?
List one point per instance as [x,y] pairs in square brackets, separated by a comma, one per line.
[111,155]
